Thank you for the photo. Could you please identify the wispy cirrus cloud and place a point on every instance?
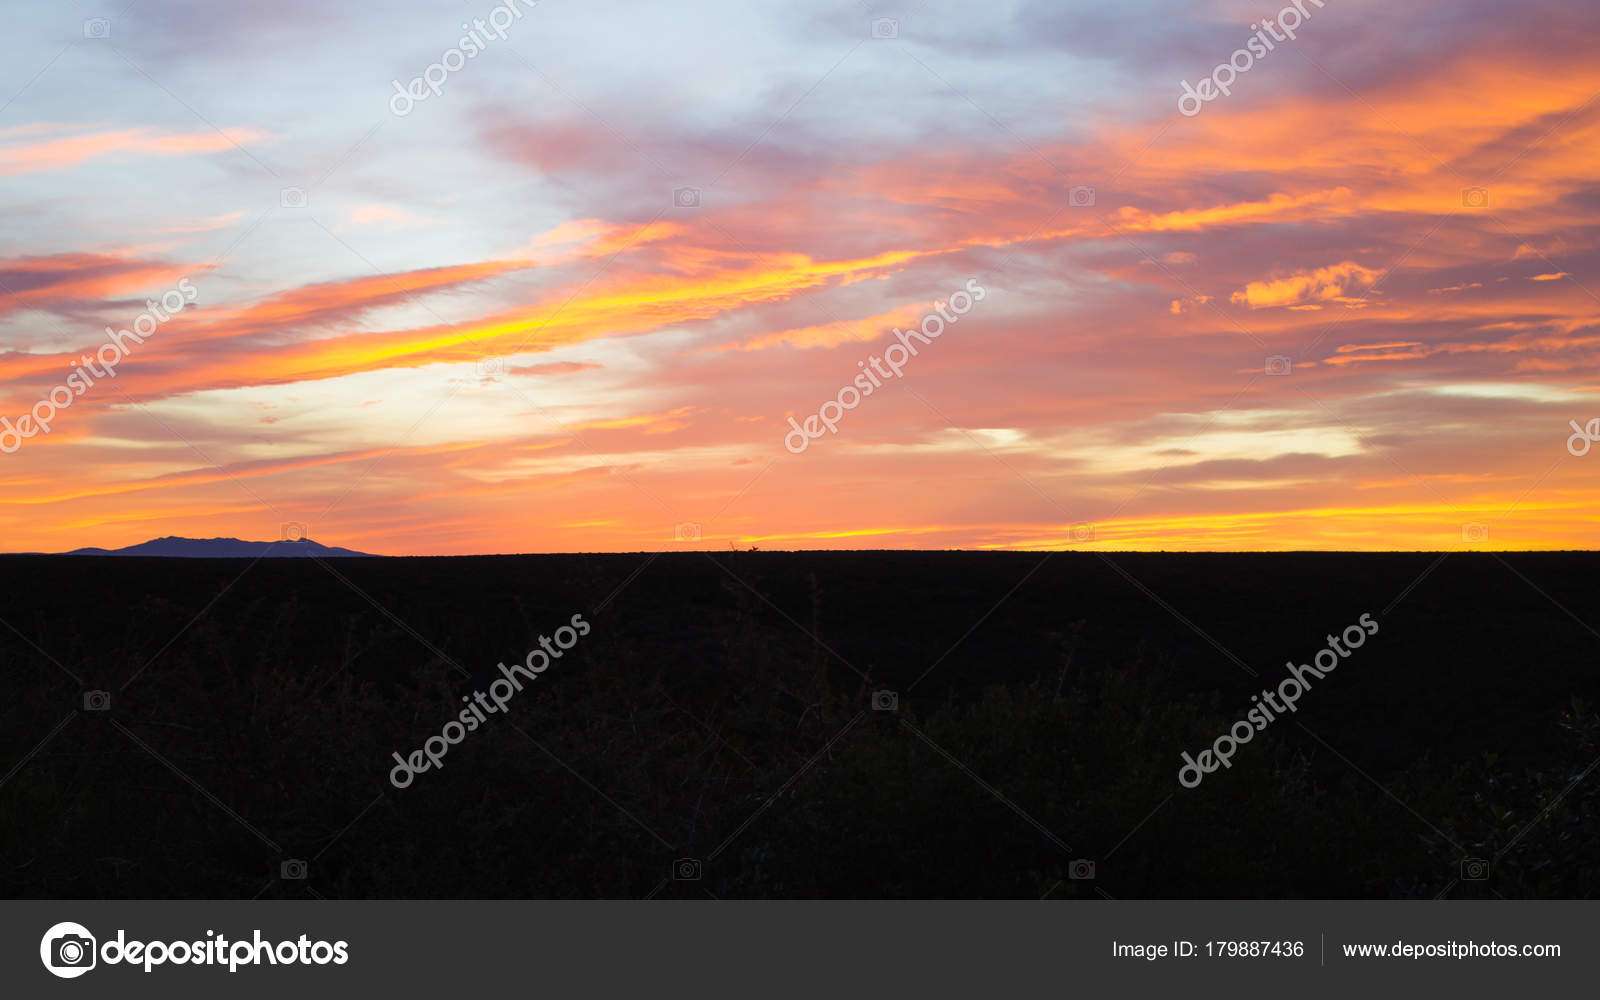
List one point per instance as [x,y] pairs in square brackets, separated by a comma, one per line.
[651,348]
[55,147]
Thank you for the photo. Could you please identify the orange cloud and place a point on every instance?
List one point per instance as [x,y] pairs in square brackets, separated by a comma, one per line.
[1325,284]
[61,152]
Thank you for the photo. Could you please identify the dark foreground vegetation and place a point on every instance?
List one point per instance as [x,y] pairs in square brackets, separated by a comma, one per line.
[718,725]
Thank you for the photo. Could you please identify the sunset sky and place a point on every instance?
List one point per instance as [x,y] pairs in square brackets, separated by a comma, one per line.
[498,323]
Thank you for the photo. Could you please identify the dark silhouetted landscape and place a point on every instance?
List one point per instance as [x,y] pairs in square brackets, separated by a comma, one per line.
[173,547]
[833,724]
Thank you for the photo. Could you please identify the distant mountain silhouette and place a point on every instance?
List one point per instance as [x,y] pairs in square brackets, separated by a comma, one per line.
[173,547]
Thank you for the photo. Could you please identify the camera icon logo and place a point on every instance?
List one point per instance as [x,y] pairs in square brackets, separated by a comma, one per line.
[67,950]
[687,870]
[1474,869]
[686,197]
[885,27]
[97,27]
[292,531]
[1474,197]
[1474,532]
[293,868]
[292,197]
[1081,869]
[885,701]
[1279,364]
[490,367]
[1081,197]
[688,531]
[96,701]
[1081,532]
